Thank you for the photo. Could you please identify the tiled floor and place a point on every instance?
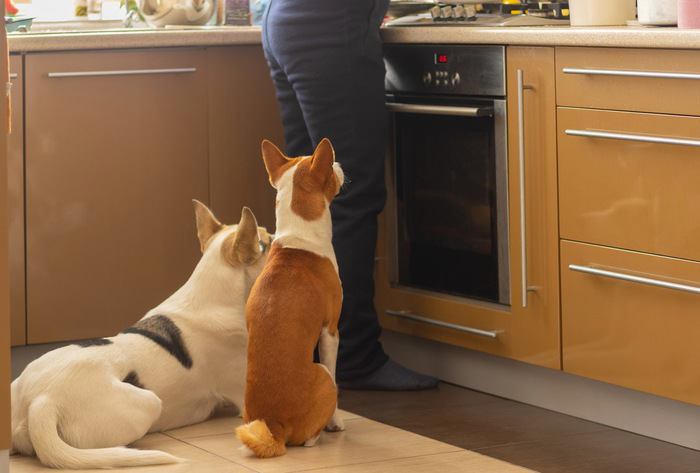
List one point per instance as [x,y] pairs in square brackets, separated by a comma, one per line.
[366,446]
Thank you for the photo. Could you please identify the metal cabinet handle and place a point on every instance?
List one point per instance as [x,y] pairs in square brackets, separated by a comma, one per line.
[462,328]
[440,110]
[635,279]
[128,72]
[521,160]
[647,74]
[630,137]
[13,75]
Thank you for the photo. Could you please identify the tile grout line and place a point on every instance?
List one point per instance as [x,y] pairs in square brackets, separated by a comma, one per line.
[457,450]
[211,453]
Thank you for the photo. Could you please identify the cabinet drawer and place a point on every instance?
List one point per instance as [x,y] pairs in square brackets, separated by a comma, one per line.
[640,80]
[638,334]
[625,191]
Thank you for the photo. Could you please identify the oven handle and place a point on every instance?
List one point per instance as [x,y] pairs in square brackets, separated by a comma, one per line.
[440,110]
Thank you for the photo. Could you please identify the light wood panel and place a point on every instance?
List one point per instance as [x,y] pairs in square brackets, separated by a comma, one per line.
[642,94]
[626,333]
[15,163]
[112,164]
[4,262]
[242,112]
[530,334]
[638,196]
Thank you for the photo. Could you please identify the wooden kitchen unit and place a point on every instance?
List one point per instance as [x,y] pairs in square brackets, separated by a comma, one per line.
[628,194]
[116,145]
[527,330]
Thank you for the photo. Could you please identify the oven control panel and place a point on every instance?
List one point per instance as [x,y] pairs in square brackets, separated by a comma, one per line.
[446,69]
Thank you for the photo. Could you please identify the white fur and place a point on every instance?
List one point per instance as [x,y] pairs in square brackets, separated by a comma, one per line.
[71,407]
[316,237]
[295,232]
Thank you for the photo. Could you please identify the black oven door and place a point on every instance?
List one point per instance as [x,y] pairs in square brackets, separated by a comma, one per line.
[449,196]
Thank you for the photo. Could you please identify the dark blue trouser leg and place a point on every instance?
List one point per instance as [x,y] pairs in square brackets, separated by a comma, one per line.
[326,62]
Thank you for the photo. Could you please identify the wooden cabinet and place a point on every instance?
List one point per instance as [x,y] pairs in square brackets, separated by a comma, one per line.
[4,273]
[621,190]
[631,319]
[15,195]
[639,80]
[527,332]
[242,112]
[116,147]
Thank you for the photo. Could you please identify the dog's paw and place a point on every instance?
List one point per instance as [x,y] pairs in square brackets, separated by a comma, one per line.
[336,424]
[312,441]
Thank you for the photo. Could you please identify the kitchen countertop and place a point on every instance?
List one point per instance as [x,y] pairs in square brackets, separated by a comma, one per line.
[633,37]
[137,38]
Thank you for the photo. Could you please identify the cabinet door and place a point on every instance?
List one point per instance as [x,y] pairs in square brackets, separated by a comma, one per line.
[242,112]
[4,274]
[116,147]
[15,183]
[529,333]
[532,174]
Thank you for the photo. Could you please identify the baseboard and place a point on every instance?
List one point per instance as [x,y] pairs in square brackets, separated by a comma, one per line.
[4,461]
[637,412]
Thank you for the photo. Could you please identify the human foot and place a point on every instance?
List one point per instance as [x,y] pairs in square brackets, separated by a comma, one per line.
[391,377]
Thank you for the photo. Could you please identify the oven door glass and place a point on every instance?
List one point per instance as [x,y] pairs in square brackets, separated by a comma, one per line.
[451,229]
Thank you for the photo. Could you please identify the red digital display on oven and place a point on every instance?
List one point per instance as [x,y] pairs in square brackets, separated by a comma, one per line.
[441,58]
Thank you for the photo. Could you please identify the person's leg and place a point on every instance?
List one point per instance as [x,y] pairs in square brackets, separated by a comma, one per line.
[331,54]
[296,136]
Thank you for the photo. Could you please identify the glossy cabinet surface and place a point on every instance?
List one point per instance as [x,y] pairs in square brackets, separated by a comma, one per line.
[639,80]
[15,183]
[630,334]
[112,163]
[4,266]
[630,194]
[242,112]
[529,334]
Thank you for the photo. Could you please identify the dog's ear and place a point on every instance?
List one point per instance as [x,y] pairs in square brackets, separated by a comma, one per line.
[274,160]
[207,224]
[246,242]
[322,161]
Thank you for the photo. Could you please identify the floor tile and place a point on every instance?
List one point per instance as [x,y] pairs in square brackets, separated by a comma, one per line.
[612,451]
[197,460]
[456,462]
[363,441]
[225,423]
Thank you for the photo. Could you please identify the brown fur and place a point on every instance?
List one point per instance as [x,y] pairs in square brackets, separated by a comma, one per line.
[296,296]
[289,399]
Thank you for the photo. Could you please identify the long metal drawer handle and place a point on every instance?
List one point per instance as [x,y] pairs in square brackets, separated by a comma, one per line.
[462,328]
[521,160]
[648,74]
[127,72]
[440,110]
[629,137]
[636,279]
[13,75]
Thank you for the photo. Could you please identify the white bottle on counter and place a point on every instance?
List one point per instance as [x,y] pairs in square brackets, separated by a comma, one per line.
[657,12]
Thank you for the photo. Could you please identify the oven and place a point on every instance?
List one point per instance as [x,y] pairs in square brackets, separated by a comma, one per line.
[448,201]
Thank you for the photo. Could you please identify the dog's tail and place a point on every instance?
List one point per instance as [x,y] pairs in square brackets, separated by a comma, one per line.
[54,452]
[258,437]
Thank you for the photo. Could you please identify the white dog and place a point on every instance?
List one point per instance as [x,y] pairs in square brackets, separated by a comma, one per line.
[77,406]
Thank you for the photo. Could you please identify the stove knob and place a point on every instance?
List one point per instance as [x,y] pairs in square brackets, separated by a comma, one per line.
[446,12]
[458,12]
[427,78]
[456,79]
[435,12]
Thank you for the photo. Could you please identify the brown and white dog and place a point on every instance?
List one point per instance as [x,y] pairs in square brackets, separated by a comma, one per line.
[77,406]
[295,302]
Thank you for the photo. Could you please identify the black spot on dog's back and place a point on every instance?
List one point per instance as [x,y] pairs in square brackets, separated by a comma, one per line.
[163,331]
[133,378]
[93,342]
